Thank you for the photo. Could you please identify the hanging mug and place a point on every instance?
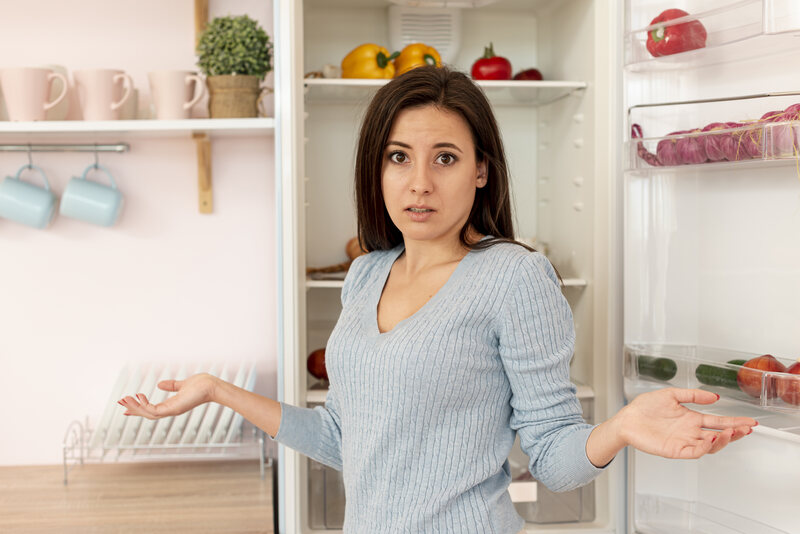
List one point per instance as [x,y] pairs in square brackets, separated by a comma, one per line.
[90,201]
[27,203]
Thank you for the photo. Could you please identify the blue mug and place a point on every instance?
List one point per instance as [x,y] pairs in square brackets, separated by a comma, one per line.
[27,203]
[90,201]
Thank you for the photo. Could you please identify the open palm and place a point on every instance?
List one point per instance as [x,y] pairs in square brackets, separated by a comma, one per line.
[658,423]
[195,390]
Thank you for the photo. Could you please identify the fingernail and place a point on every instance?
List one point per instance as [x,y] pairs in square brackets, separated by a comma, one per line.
[717,394]
[713,439]
[756,424]
[751,431]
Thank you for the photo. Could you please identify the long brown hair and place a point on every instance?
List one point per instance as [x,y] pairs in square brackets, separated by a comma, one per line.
[448,90]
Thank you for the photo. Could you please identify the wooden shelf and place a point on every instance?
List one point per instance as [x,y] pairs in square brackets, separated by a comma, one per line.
[144,128]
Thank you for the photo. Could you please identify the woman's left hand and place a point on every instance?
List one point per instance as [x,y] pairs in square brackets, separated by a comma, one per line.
[657,423]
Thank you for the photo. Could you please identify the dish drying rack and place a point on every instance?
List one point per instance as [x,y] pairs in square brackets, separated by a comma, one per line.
[208,431]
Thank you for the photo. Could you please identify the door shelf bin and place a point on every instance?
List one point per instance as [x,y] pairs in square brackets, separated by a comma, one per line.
[648,367]
[765,127]
[739,29]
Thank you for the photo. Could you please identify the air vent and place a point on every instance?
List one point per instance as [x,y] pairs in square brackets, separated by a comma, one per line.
[436,27]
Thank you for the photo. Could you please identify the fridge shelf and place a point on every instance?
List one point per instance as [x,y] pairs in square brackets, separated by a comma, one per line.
[657,514]
[767,128]
[742,29]
[649,367]
[505,92]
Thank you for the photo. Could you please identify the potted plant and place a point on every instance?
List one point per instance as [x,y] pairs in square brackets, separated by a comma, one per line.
[235,54]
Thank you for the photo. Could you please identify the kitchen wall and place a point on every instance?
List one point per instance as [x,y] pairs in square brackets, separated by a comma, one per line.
[166,284]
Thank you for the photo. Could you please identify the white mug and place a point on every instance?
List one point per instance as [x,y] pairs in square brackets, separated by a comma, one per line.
[172,92]
[101,92]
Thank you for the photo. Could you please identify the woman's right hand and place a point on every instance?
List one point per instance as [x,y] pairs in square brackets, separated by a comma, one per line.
[194,391]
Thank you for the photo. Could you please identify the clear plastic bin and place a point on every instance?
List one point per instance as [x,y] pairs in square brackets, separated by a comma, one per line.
[716,370]
[751,128]
[739,29]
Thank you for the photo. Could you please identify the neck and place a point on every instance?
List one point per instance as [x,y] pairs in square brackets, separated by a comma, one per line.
[421,255]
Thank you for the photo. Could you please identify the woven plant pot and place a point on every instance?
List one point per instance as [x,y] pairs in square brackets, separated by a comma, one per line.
[233,96]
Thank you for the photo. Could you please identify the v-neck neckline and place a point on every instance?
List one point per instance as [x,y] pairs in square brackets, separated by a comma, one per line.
[384,278]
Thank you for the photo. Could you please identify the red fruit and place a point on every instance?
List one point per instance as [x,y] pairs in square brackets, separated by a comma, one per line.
[789,388]
[316,364]
[750,381]
[528,74]
[491,67]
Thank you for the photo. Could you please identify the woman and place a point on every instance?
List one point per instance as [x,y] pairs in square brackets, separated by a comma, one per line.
[452,339]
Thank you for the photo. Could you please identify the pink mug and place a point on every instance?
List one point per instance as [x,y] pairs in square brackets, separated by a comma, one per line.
[101,93]
[26,91]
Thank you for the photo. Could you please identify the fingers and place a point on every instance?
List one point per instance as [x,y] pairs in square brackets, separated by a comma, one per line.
[720,423]
[140,406]
[170,385]
[695,396]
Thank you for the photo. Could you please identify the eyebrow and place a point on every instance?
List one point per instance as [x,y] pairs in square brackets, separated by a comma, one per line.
[437,145]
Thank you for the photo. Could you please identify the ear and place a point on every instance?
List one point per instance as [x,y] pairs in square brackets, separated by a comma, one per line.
[482,177]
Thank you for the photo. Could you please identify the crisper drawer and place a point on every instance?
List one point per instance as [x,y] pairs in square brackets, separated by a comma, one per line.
[534,502]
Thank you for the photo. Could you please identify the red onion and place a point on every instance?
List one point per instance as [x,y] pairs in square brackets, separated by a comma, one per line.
[730,145]
[667,150]
[751,141]
[712,143]
[690,149]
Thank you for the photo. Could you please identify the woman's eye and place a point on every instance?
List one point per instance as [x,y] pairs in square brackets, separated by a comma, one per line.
[398,157]
[446,159]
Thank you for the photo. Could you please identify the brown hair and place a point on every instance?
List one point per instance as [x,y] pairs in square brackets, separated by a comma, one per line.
[448,90]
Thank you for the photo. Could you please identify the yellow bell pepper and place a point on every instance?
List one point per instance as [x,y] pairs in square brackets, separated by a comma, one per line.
[416,55]
[368,61]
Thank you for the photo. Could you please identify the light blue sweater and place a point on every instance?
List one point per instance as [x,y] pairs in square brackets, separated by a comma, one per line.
[421,419]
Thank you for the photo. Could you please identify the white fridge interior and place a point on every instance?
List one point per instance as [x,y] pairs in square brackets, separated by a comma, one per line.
[712,260]
[550,134]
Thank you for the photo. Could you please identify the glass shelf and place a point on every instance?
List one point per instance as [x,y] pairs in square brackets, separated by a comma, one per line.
[650,367]
[505,92]
[741,29]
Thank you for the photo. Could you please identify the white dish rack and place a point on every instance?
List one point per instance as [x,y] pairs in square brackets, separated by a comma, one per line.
[207,431]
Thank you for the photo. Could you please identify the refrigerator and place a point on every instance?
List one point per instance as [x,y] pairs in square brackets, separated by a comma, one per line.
[673,266]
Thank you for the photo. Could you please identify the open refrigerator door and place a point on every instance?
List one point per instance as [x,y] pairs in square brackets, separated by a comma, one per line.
[711,258]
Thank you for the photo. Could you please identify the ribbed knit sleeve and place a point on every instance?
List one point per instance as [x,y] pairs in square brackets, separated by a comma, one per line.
[537,339]
[315,432]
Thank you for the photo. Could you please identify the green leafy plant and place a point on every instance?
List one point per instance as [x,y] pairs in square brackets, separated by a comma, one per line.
[234,45]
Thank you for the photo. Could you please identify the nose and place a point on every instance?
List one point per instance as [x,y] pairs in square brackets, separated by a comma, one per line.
[420,181]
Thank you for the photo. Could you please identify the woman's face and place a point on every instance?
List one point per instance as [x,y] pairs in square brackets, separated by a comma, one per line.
[430,174]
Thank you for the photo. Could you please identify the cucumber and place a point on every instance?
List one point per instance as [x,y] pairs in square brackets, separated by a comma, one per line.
[711,375]
[662,369]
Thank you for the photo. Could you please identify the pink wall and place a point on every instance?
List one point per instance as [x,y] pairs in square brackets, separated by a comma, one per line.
[166,284]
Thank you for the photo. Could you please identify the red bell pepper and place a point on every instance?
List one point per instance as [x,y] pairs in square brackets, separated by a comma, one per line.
[668,40]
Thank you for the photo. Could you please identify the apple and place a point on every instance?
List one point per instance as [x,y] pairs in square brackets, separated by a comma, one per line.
[750,381]
[529,74]
[789,388]
[316,364]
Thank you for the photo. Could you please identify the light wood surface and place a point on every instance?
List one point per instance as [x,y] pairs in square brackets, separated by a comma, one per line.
[218,497]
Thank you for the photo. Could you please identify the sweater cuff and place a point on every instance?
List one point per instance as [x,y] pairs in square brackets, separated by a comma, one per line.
[297,428]
[585,470]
